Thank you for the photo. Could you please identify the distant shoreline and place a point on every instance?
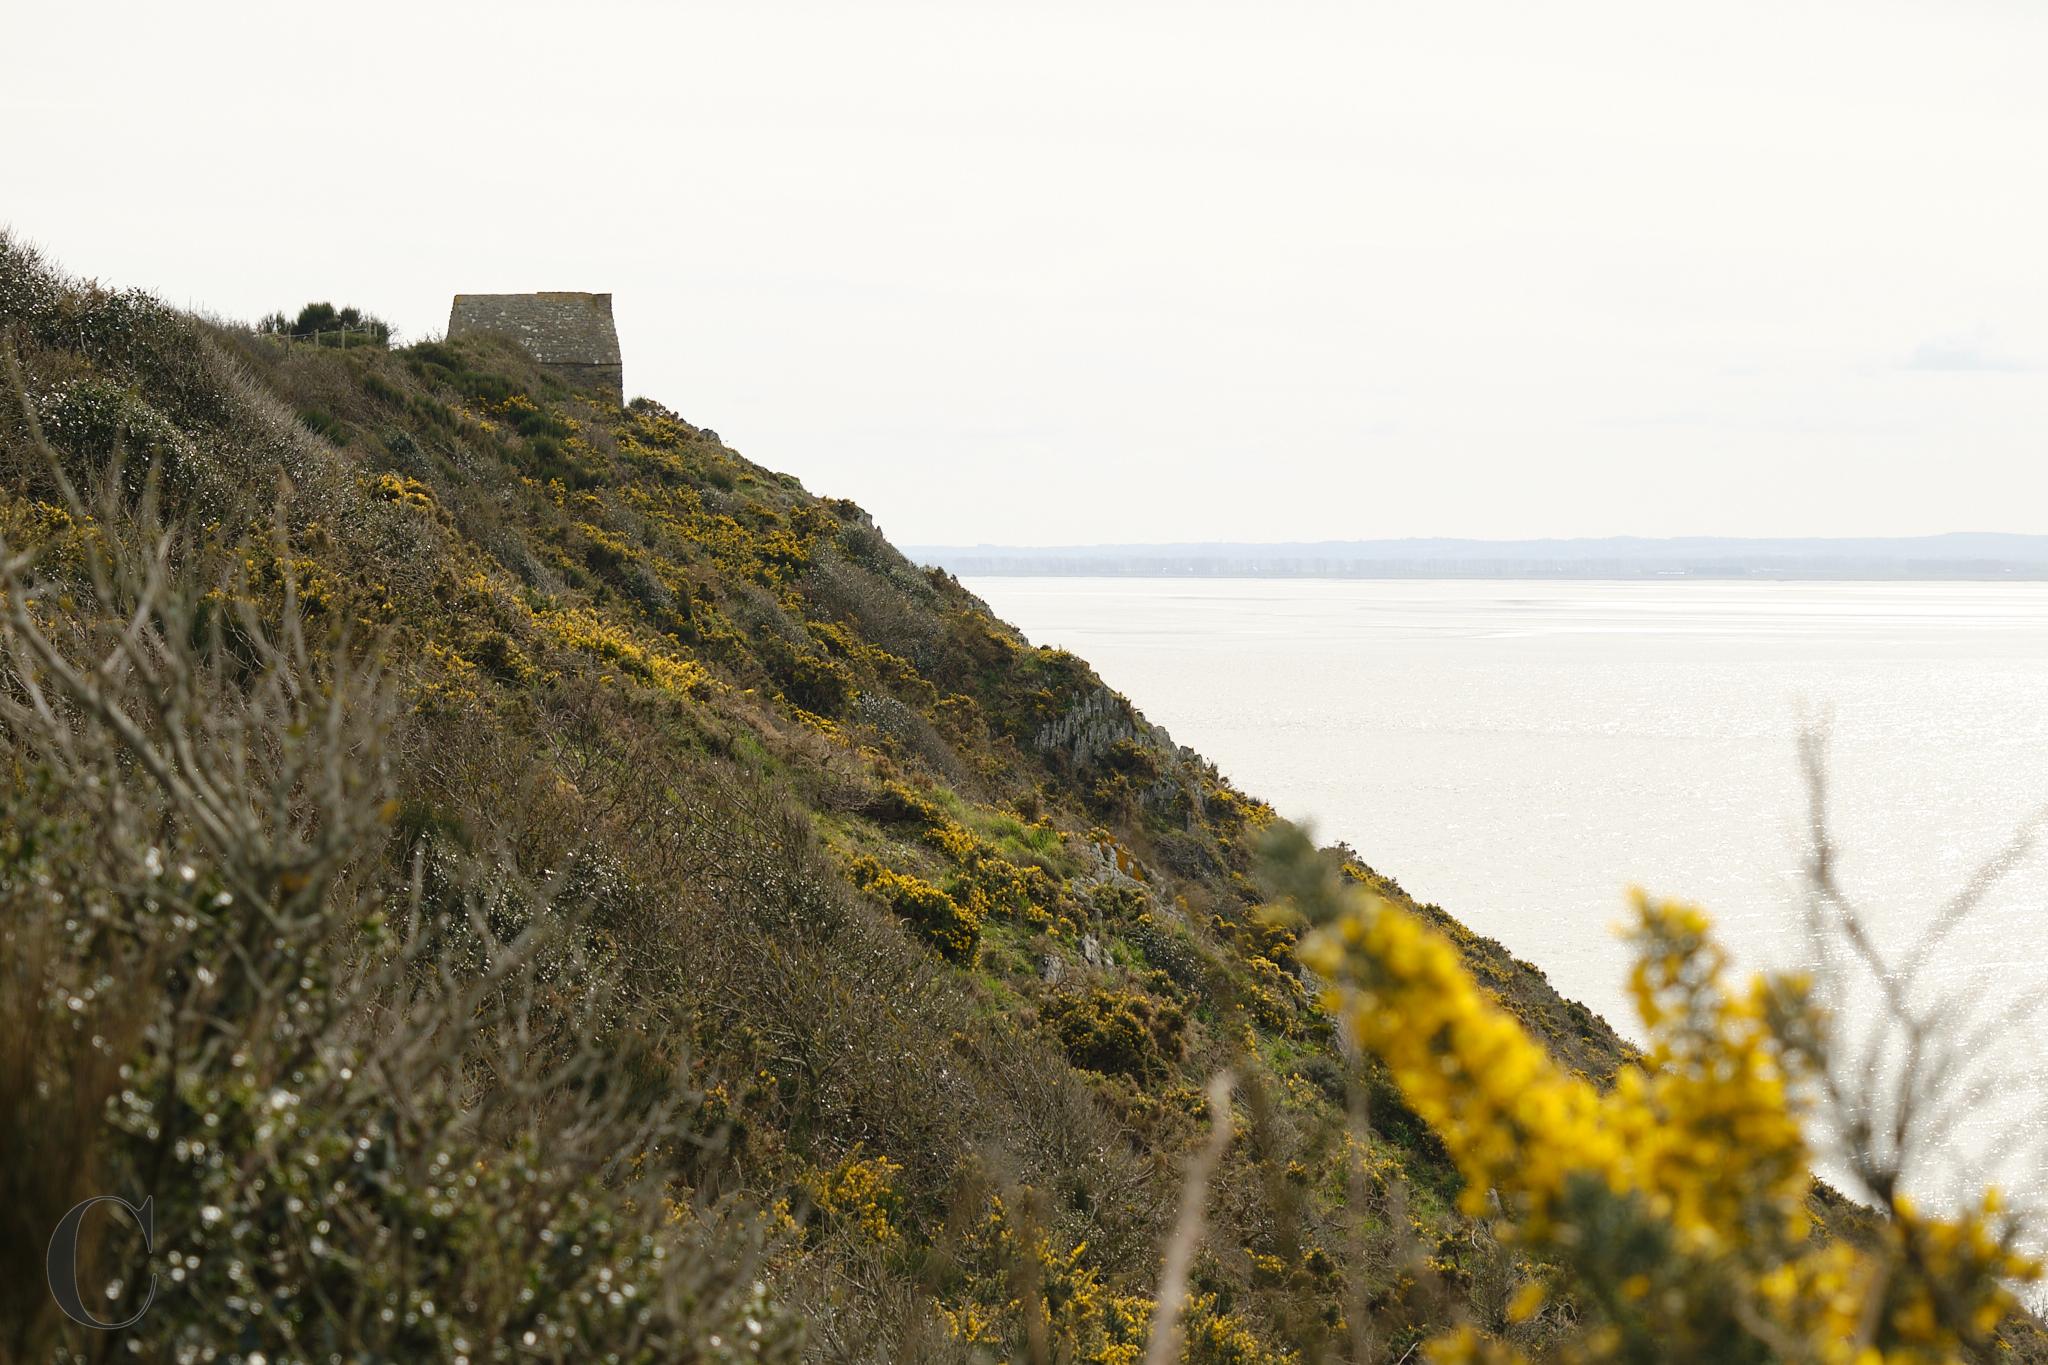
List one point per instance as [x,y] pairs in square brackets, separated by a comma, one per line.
[971,573]
[1956,557]
[978,570]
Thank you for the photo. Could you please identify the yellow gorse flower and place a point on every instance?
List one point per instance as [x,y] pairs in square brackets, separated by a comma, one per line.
[1679,1196]
[860,1193]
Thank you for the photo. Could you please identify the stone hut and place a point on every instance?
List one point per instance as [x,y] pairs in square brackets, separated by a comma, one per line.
[571,335]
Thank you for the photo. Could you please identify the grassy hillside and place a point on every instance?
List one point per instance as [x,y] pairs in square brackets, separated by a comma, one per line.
[916,908]
[739,904]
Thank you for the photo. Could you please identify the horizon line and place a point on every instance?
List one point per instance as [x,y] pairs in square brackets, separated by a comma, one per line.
[1609,539]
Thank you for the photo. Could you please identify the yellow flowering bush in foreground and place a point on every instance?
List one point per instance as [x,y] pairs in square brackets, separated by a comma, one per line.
[1673,1207]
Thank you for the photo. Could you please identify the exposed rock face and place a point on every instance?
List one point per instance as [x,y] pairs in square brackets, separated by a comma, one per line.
[570,334]
[1102,719]
[1090,726]
[1113,867]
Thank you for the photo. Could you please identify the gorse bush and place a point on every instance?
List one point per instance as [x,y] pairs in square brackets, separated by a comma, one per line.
[1673,1206]
[1120,1032]
[950,927]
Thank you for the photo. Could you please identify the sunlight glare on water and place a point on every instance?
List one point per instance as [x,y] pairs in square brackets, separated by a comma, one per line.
[1523,752]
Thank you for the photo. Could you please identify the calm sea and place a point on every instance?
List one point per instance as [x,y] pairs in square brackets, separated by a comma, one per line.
[1523,752]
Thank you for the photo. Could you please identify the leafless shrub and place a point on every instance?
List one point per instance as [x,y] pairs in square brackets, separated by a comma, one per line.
[905,732]
[881,606]
[1925,1060]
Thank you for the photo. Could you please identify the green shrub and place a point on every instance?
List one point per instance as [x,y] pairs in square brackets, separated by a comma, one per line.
[325,325]
[1118,1032]
[817,682]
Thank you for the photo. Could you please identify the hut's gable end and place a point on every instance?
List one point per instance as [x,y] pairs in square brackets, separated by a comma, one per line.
[570,334]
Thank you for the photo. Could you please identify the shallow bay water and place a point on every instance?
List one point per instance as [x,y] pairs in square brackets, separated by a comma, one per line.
[1524,752]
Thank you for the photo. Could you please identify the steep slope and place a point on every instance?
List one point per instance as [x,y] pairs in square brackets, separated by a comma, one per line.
[942,935]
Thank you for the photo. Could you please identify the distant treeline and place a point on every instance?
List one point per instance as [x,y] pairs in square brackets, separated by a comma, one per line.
[1957,556]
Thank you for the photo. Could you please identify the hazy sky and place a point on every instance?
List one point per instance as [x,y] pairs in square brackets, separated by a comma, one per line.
[1045,274]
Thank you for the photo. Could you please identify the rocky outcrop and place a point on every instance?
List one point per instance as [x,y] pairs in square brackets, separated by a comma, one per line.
[1091,731]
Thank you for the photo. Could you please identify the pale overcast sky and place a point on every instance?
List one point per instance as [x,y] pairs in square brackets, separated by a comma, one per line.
[1046,274]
